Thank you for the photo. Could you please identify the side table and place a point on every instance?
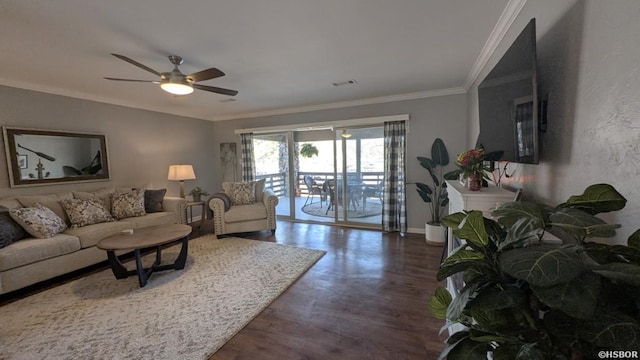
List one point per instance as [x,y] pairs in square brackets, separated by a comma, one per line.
[189,209]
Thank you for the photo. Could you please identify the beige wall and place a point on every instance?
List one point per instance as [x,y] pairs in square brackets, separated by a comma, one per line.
[141,144]
[442,117]
[588,65]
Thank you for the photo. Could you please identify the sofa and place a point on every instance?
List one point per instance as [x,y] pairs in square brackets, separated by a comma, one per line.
[36,258]
[243,207]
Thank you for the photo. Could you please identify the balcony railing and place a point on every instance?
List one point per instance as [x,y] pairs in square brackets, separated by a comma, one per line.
[278,181]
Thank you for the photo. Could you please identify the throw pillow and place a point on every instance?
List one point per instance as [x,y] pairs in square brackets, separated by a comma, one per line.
[225,199]
[52,201]
[103,194]
[86,212]
[242,193]
[127,204]
[153,200]
[39,221]
[10,231]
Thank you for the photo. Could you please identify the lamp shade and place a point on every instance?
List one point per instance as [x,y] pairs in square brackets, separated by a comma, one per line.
[181,172]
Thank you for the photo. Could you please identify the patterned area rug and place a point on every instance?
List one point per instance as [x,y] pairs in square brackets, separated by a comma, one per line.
[373,208]
[187,314]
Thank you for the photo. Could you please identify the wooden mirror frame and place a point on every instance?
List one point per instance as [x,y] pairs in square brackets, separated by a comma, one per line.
[16,161]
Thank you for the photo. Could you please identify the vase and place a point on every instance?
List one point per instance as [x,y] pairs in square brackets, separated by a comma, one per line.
[197,198]
[475,182]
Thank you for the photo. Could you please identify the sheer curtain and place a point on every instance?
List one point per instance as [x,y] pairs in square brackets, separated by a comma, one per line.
[248,160]
[394,211]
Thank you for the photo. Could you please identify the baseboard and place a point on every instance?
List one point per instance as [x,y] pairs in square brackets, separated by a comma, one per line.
[415,230]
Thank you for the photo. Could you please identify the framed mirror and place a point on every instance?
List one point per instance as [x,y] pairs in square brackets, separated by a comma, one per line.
[41,157]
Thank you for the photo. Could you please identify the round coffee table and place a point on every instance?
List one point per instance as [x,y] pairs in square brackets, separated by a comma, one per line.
[144,239]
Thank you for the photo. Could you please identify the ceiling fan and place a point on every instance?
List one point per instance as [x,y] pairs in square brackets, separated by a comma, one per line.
[177,83]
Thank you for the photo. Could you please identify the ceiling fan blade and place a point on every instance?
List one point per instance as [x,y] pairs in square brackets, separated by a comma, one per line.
[133,62]
[207,74]
[216,89]
[118,79]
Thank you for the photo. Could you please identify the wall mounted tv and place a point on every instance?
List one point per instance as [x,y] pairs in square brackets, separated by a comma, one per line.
[508,103]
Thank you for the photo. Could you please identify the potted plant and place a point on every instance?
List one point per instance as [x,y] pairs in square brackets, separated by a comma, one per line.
[197,193]
[435,192]
[308,150]
[527,298]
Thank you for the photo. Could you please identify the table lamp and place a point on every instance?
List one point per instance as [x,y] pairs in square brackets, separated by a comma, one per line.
[181,173]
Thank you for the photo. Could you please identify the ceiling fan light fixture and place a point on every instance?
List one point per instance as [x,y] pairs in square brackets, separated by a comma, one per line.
[177,87]
[345,134]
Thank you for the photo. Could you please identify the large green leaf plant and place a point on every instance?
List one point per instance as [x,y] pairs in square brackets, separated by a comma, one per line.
[434,192]
[527,298]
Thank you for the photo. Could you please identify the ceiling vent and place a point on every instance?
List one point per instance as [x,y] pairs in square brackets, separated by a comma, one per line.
[348,82]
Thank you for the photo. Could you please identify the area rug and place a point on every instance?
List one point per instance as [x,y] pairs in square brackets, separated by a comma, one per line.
[187,314]
[374,208]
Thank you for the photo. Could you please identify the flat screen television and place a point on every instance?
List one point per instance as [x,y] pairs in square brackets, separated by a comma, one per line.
[508,103]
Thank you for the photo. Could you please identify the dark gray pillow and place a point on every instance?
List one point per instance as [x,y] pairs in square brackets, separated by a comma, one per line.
[225,199]
[10,231]
[153,200]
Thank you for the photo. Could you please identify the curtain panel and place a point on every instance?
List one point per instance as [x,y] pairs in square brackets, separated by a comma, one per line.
[248,159]
[394,211]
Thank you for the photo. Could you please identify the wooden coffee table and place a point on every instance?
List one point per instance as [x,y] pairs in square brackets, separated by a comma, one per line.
[145,239]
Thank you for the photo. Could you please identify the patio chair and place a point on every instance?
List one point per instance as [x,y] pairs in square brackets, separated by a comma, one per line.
[313,188]
[370,191]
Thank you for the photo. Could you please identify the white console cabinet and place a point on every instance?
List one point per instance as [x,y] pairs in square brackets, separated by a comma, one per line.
[461,198]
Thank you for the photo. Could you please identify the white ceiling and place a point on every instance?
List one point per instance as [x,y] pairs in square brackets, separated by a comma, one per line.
[281,55]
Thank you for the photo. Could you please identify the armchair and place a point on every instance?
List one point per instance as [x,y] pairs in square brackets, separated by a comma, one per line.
[231,217]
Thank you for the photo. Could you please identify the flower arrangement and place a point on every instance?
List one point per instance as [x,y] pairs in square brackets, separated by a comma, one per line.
[471,163]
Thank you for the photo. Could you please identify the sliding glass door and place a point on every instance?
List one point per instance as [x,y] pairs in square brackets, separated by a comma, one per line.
[321,176]
[359,174]
[271,152]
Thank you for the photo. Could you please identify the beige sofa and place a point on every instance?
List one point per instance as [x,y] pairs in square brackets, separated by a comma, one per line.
[31,260]
[256,216]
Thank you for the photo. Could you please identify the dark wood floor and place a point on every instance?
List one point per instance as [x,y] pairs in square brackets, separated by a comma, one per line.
[365,299]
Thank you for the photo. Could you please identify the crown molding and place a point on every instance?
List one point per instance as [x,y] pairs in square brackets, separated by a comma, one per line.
[508,16]
[343,104]
[89,97]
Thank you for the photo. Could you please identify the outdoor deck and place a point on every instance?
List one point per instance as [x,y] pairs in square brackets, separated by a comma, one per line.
[283,208]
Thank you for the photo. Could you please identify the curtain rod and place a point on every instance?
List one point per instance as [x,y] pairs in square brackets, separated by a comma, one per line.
[332,125]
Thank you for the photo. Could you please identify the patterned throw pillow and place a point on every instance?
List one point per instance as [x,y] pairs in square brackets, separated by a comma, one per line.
[153,200]
[127,204]
[10,231]
[86,212]
[39,221]
[51,201]
[102,194]
[242,193]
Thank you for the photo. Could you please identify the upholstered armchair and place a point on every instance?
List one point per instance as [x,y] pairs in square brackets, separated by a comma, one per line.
[243,207]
